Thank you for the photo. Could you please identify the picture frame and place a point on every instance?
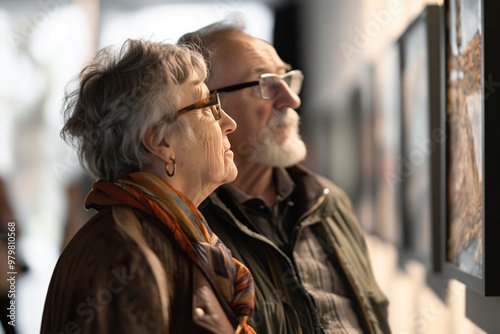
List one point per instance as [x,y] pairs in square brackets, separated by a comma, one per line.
[387,147]
[470,224]
[421,137]
[363,201]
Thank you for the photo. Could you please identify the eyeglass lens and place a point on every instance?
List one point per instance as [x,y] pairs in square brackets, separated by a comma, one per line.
[269,85]
[217,109]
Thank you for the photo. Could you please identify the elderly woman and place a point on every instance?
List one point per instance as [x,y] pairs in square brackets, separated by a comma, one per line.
[145,125]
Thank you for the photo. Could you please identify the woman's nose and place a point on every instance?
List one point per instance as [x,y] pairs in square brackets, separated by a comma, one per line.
[227,124]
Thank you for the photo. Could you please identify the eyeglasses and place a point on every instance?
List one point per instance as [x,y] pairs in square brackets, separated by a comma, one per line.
[211,101]
[269,84]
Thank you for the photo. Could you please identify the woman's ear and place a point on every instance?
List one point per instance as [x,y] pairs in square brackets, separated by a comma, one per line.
[161,149]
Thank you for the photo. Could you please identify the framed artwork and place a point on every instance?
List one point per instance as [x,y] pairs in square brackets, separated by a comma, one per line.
[387,147]
[356,167]
[471,219]
[421,139]
[363,200]
[344,140]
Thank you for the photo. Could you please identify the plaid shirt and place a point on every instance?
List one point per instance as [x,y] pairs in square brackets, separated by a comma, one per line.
[314,262]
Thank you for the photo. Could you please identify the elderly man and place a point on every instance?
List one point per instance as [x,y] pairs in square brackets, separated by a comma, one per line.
[295,231]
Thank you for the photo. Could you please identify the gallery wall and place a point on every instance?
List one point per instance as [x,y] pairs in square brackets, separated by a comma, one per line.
[374,116]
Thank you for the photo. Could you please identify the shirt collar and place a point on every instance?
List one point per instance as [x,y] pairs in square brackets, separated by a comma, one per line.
[284,183]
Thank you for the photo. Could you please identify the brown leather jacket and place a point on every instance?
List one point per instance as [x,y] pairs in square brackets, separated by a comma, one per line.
[123,272]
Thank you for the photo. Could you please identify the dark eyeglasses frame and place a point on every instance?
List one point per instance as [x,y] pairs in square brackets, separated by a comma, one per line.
[212,100]
[233,88]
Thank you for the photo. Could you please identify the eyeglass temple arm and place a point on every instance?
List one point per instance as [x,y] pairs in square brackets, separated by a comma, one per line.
[235,87]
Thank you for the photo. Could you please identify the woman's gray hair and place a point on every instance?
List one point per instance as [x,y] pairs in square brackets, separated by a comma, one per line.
[123,95]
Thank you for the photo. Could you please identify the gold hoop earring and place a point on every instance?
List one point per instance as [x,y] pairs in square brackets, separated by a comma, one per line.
[173,168]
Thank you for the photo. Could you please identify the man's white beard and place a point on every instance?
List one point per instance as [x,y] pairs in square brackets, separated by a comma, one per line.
[280,154]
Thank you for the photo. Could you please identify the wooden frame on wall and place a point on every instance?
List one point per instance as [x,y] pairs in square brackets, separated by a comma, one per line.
[470,224]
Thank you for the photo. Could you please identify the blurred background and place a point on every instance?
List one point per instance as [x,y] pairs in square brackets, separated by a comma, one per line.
[369,105]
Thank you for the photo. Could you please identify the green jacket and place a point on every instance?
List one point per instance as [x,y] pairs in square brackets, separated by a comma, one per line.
[281,306]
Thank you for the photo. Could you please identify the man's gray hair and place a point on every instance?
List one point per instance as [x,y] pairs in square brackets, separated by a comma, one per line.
[123,95]
[205,37]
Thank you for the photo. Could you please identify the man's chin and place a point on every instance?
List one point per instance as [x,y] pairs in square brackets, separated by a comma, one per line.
[282,134]
[282,155]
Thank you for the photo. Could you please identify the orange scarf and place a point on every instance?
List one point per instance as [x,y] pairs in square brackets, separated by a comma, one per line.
[152,195]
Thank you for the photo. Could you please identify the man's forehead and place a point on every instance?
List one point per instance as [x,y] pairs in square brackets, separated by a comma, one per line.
[257,55]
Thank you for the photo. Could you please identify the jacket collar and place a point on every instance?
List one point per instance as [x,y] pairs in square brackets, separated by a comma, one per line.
[308,189]
[284,186]
[314,193]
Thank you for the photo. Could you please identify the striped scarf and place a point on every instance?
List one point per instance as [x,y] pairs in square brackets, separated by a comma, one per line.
[154,196]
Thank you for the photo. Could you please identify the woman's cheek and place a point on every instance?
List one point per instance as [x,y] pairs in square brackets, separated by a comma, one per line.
[214,155]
